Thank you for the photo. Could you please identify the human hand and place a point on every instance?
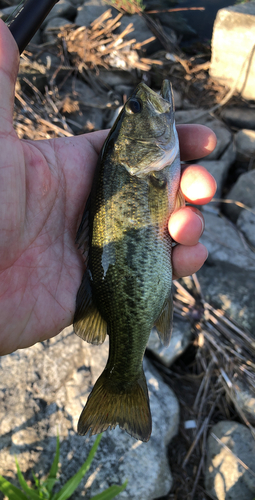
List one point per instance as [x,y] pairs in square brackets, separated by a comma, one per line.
[44,186]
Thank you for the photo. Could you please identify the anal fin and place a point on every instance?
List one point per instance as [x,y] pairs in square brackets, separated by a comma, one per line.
[164,323]
[88,322]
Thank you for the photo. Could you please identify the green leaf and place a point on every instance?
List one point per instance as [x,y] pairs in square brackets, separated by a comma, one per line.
[110,493]
[74,482]
[48,485]
[52,477]
[11,491]
[32,494]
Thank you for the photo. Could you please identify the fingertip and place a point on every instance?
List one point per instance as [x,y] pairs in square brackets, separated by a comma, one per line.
[196,141]
[198,185]
[186,225]
[188,260]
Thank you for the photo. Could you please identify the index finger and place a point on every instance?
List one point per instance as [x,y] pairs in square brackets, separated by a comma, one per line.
[196,141]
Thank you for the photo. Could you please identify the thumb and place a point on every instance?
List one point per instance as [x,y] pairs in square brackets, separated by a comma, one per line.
[9,65]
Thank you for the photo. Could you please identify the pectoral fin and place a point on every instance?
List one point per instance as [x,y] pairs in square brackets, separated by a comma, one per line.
[88,322]
[164,323]
[179,200]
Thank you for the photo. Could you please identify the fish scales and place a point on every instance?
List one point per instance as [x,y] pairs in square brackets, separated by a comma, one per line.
[126,288]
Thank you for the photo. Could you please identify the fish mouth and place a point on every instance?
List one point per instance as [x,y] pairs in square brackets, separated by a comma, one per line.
[166,92]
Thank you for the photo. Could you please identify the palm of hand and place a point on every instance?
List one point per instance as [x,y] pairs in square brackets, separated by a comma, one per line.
[40,266]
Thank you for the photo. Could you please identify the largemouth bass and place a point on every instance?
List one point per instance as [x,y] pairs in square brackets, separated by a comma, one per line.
[127,285]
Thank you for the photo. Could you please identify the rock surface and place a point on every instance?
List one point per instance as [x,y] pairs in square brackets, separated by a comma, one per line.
[180,340]
[42,391]
[55,23]
[231,289]
[225,244]
[239,117]
[219,170]
[90,10]
[63,8]
[141,31]
[245,143]
[246,224]
[77,97]
[243,191]
[222,133]
[225,477]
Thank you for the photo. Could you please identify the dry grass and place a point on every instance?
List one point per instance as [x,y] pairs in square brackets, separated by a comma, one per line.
[99,45]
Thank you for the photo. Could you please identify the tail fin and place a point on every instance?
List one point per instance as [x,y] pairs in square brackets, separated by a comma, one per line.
[105,408]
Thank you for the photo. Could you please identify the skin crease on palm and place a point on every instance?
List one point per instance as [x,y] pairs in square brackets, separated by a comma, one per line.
[43,189]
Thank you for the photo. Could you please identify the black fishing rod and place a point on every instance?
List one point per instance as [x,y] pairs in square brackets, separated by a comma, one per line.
[29,19]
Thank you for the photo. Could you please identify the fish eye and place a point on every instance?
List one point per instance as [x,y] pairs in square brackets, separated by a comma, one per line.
[134,106]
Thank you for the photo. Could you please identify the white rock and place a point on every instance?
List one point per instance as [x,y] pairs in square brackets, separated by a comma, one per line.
[233,56]
[225,477]
[180,340]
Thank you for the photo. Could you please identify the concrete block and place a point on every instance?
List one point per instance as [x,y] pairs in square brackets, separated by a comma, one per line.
[233,48]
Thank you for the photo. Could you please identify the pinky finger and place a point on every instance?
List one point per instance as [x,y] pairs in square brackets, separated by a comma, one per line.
[188,259]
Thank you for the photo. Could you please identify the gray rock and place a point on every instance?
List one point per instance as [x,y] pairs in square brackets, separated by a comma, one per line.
[42,392]
[245,398]
[124,90]
[245,144]
[231,289]
[229,153]
[50,60]
[225,244]
[177,99]
[77,3]
[111,78]
[180,340]
[90,11]
[141,31]
[36,39]
[239,117]
[80,117]
[176,22]
[225,477]
[246,224]
[243,191]
[54,24]
[34,72]
[6,12]
[63,8]
[219,170]
[222,133]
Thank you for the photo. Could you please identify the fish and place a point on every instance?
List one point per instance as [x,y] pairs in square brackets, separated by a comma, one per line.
[126,288]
